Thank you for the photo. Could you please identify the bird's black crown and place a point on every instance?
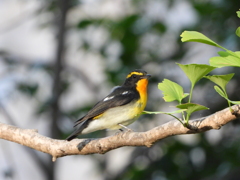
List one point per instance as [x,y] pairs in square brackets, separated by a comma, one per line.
[134,76]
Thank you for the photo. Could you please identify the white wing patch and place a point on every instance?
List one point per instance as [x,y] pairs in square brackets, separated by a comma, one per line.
[125,92]
[108,98]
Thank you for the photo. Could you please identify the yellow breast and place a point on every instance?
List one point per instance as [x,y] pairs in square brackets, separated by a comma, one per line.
[124,115]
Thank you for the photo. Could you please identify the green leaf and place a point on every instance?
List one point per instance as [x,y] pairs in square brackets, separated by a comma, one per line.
[237,53]
[238,31]
[234,102]
[221,80]
[171,91]
[229,53]
[196,71]
[227,59]
[221,93]
[191,107]
[195,36]
[160,112]
[238,14]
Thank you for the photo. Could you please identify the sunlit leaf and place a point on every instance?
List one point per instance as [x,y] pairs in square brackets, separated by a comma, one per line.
[234,102]
[221,93]
[195,36]
[228,53]
[221,80]
[171,91]
[226,59]
[196,71]
[191,107]
[237,53]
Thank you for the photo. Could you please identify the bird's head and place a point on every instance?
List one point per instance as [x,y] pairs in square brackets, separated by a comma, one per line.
[135,77]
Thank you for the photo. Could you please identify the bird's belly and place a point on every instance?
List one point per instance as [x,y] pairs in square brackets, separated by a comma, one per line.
[111,119]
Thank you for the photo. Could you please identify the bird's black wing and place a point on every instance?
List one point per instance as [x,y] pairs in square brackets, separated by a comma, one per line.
[118,97]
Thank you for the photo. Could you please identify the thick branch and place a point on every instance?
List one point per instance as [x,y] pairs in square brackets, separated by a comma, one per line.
[60,148]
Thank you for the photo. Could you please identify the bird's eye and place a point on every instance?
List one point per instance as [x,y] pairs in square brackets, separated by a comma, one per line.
[134,76]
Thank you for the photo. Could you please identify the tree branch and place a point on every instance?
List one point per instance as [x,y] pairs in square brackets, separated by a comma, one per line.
[60,148]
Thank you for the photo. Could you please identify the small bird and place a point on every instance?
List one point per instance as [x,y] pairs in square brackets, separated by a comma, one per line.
[119,109]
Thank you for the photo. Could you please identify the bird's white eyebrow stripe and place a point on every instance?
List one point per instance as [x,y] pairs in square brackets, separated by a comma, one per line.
[125,92]
[108,98]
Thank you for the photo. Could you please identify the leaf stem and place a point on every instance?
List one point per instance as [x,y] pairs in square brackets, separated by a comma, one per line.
[229,103]
[177,119]
[190,94]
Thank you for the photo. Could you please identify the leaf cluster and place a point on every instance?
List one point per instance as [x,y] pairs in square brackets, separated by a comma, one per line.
[195,72]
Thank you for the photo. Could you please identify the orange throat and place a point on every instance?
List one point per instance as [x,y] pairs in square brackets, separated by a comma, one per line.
[142,89]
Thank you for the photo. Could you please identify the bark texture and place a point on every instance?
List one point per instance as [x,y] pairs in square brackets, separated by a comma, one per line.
[59,148]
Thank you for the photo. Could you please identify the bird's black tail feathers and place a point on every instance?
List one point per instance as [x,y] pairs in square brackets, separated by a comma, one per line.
[79,128]
[71,137]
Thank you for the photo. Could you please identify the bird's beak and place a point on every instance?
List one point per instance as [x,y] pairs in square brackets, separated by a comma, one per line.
[147,76]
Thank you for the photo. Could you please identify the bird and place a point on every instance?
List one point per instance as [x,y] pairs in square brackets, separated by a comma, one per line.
[117,110]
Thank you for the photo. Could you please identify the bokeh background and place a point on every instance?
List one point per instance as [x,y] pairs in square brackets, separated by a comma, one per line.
[58,57]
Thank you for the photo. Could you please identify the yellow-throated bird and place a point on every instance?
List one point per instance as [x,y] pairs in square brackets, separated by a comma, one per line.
[117,110]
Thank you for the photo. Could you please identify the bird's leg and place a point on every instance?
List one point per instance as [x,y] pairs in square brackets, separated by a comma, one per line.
[119,132]
[128,129]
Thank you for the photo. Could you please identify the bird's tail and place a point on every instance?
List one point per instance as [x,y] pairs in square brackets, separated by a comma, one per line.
[71,137]
[79,128]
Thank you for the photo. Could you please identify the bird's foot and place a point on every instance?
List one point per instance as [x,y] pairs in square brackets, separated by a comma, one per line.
[125,127]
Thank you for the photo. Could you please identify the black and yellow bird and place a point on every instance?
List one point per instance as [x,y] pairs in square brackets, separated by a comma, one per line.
[119,109]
